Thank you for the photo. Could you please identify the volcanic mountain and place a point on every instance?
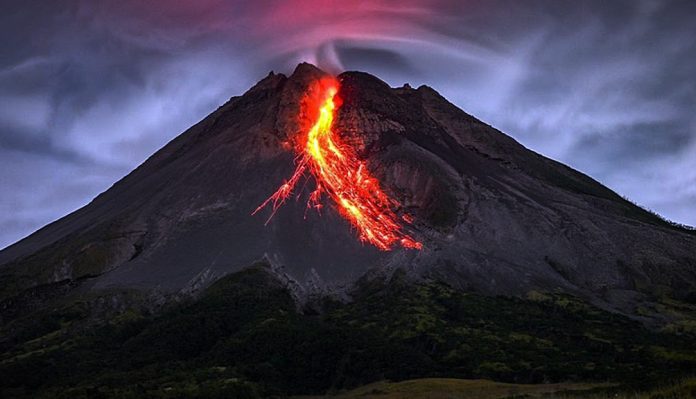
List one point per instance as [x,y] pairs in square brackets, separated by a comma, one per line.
[492,216]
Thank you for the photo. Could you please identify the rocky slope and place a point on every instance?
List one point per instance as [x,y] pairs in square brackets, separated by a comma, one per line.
[494,217]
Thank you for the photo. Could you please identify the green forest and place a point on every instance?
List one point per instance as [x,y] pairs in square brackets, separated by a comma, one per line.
[245,337]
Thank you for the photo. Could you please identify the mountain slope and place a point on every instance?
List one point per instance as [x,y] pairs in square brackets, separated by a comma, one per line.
[494,217]
[243,337]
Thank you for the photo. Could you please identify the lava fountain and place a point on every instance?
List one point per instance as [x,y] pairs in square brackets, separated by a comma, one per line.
[341,175]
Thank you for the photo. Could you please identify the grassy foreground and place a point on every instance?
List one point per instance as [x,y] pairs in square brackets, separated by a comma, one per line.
[446,388]
[452,388]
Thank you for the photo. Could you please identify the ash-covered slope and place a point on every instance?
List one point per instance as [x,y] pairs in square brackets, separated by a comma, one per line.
[493,216]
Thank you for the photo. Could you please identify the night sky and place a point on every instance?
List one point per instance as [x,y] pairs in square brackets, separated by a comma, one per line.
[89,89]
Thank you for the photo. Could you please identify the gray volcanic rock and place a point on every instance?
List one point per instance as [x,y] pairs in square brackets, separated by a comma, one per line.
[493,216]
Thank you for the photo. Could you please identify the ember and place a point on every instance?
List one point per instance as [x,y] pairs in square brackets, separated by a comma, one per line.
[342,176]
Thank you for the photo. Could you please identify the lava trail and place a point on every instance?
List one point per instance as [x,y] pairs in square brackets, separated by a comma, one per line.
[342,176]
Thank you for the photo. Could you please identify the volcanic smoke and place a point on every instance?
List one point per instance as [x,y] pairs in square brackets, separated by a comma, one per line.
[340,174]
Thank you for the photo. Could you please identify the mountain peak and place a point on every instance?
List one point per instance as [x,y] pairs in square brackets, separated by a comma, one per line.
[307,69]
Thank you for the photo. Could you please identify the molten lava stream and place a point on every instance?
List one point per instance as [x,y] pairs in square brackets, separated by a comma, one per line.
[342,176]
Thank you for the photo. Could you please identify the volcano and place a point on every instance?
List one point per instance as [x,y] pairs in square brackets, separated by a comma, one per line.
[492,216]
[320,233]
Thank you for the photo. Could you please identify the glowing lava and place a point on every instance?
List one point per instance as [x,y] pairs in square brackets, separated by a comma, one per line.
[342,176]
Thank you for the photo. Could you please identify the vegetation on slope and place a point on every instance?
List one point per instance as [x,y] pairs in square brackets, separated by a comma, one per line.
[244,337]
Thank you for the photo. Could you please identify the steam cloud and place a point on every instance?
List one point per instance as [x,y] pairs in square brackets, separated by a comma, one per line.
[93,88]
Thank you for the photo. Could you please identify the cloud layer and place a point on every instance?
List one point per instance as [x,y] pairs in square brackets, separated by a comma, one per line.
[89,89]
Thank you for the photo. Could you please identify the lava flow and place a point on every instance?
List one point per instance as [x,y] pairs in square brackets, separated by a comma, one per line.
[342,176]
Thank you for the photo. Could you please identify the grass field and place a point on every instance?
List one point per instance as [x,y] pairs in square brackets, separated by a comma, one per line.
[452,388]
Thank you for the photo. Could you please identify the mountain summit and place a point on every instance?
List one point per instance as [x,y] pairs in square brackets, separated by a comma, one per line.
[492,216]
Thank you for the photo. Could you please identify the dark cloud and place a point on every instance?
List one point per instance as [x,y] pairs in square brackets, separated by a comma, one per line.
[89,89]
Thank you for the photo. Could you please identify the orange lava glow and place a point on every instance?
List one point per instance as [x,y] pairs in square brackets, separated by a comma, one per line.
[342,176]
